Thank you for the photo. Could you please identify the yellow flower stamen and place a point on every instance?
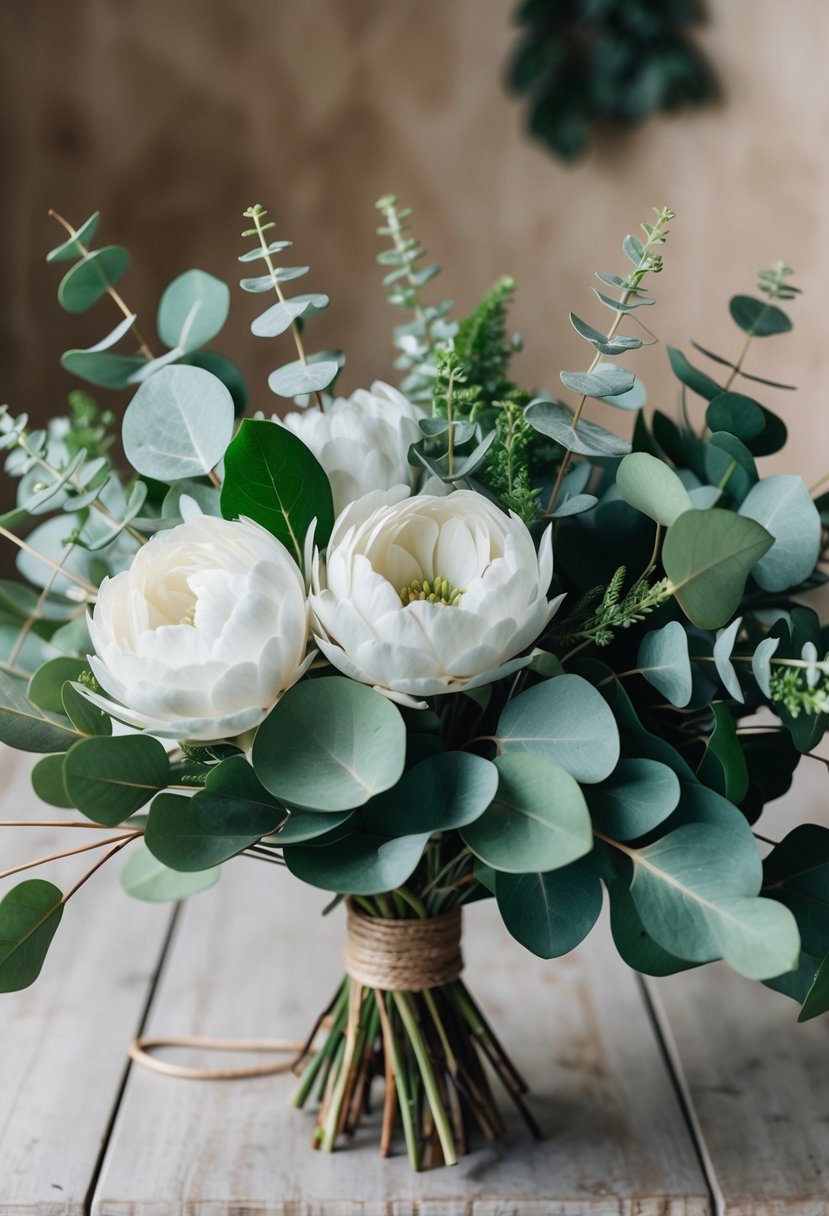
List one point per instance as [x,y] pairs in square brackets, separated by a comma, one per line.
[437,590]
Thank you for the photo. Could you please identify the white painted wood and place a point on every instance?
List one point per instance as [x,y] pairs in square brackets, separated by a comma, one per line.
[253,958]
[759,1081]
[64,1040]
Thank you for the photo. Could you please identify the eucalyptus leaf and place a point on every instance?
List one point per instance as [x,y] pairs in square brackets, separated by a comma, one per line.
[46,685]
[723,765]
[178,424]
[538,819]
[443,792]
[736,413]
[109,779]
[274,479]
[201,832]
[302,826]
[664,661]
[29,916]
[577,505]
[652,487]
[606,345]
[758,317]
[84,716]
[330,745]
[691,376]
[638,796]
[27,728]
[267,282]
[761,663]
[102,368]
[723,646]
[71,248]
[192,310]
[89,279]
[708,556]
[610,381]
[359,864]
[279,317]
[298,379]
[549,914]
[784,507]
[254,255]
[48,783]
[565,720]
[145,877]
[555,420]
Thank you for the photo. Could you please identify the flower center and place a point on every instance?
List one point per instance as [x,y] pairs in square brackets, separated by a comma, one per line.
[189,617]
[434,591]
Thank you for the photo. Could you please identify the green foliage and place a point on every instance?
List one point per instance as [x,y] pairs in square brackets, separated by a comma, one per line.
[145,877]
[308,375]
[590,621]
[418,339]
[178,424]
[109,779]
[483,345]
[29,916]
[707,556]
[567,721]
[330,745]
[549,913]
[588,64]
[272,477]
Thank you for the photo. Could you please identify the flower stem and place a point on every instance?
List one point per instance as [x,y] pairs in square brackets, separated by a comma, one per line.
[403,1003]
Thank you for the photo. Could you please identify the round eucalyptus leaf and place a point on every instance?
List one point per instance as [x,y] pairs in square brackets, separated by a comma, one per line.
[538,819]
[178,424]
[298,378]
[48,783]
[27,728]
[330,744]
[266,282]
[88,280]
[46,685]
[638,796]
[302,826]
[737,414]
[145,877]
[279,317]
[652,487]
[761,663]
[566,720]
[109,778]
[608,380]
[254,255]
[555,421]
[357,864]
[549,914]
[29,916]
[664,661]
[102,367]
[201,832]
[192,310]
[784,507]
[708,556]
[758,317]
[71,248]
[444,792]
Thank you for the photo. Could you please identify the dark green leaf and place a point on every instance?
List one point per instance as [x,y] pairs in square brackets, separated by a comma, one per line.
[29,916]
[549,914]
[108,779]
[29,729]
[273,478]
[635,799]
[359,864]
[758,317]
[708,556]
[89,279]
[691,376]
[446,791]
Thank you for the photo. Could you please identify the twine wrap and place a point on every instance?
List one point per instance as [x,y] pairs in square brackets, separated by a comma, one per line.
[403,955]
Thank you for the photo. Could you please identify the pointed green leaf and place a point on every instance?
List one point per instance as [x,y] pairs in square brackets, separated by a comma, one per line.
[274,479]
[722,658]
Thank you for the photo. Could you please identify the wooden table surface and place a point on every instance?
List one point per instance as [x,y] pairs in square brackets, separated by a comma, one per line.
[694,1095]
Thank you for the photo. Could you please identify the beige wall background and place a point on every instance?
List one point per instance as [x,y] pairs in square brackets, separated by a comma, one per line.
[171,117]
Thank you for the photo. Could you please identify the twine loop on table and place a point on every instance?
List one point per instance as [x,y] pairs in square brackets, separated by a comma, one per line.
[403,955]
[391,955]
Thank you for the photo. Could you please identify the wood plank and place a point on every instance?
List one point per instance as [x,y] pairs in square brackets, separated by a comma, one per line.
[253,958]
[758,1080]
[64,1040]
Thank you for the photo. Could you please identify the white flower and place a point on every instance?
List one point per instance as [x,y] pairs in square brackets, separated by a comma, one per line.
[486,599]
[361,441]
[203,633]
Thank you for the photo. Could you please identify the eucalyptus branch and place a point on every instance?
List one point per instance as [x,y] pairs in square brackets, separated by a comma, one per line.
[649,262]
[114,295]
[84,848]
[257,212]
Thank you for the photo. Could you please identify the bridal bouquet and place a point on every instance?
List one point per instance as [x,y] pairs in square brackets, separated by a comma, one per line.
[422,646]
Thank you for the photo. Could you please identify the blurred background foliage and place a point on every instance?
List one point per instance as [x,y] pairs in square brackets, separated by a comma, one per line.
[607,62]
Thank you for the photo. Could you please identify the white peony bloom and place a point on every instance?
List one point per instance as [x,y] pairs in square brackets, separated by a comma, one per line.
[361,441]
[203,633]
[428,595]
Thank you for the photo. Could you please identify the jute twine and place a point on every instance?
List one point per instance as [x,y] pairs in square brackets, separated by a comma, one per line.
[392,955]
[403,955]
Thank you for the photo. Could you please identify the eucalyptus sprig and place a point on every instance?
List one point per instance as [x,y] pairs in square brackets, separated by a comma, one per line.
[308,375]
[419,339]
